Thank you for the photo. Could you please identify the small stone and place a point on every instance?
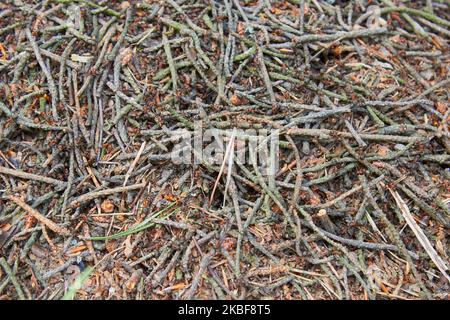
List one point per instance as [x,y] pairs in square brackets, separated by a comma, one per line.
[235,100]
[124,5]
[107,206]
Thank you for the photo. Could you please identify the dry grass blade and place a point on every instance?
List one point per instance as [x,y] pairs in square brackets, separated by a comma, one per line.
[133,164]
[229,166]
[420,235]
[222,167]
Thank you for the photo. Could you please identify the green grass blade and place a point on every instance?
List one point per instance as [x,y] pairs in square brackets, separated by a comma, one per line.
[77,284]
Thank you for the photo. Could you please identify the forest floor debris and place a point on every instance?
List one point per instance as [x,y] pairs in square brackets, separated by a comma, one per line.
[111,189]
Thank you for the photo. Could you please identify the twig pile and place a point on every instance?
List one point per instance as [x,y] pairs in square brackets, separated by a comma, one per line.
[92,91]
